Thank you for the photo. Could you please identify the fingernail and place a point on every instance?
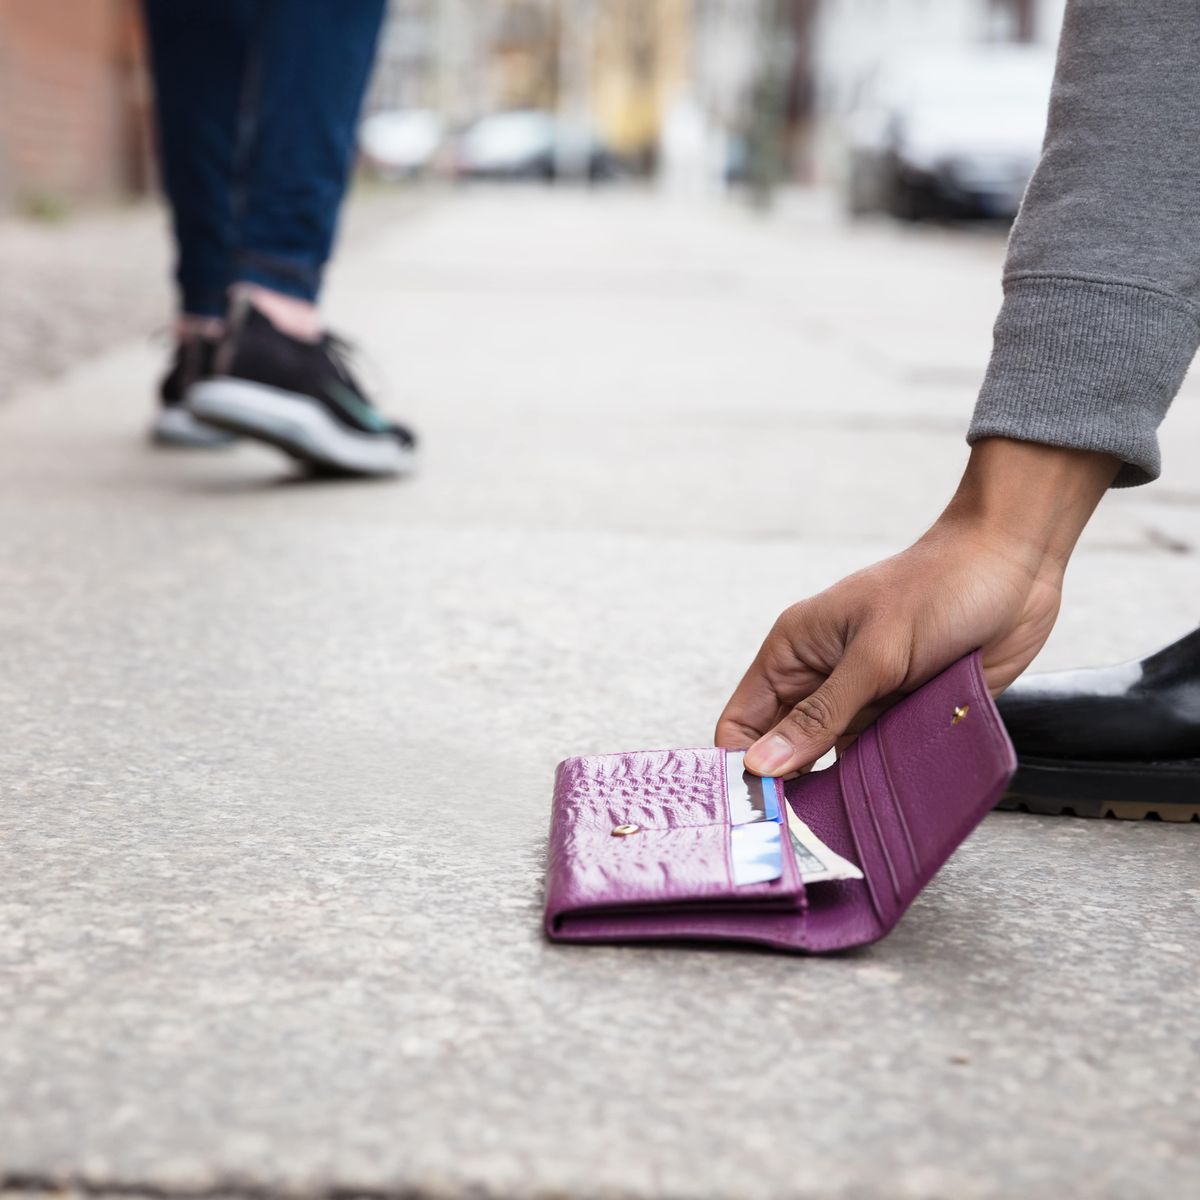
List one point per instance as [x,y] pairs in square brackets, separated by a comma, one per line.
[769,755]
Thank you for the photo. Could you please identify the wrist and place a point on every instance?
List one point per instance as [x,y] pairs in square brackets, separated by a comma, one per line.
[1027,501]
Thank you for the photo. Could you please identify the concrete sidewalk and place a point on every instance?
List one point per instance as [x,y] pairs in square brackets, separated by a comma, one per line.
[277,756]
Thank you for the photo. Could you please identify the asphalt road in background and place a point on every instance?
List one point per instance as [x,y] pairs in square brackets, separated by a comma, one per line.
[277,756]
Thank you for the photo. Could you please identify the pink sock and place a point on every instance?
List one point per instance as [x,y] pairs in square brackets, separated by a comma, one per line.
[193,325]
[297,318]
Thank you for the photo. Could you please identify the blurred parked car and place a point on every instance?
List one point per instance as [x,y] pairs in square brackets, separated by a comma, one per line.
[528,144]
[401,144]
[956,135]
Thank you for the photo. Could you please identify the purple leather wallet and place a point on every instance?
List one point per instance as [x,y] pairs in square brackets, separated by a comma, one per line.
[640,845]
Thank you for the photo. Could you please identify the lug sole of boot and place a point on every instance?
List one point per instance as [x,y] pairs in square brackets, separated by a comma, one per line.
[1164,791]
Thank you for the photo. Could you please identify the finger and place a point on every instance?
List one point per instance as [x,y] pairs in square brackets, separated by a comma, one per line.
[815,723]
[752,710]
[864,717]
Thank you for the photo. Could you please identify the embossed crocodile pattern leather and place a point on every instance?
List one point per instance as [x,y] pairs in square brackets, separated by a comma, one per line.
[898,803]
[680,853]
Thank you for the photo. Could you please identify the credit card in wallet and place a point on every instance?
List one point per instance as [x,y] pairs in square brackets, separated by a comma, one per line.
[751,798]
[755,841]
[757,852]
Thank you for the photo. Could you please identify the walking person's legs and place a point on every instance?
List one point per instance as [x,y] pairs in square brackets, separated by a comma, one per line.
[199,55]
[314,60]
[280,377]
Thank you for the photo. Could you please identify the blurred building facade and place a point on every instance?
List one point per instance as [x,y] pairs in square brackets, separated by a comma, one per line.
[627,66]
[73,100]
[466,58]
[749,87]
[724,89]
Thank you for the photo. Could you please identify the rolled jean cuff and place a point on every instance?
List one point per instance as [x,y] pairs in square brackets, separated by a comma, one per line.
[203,300]
[279,274]
[1089,364]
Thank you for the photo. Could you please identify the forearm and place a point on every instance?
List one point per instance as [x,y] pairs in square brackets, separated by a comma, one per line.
[1027,501]
[1101,316]
[987,575]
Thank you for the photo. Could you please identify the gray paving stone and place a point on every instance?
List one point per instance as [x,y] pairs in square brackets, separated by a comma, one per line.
[277,757]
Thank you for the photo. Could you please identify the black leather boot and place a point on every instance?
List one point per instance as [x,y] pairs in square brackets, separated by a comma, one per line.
[1110,741]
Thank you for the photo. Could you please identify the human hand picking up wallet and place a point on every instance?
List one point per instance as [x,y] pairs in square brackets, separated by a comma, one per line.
[682,845]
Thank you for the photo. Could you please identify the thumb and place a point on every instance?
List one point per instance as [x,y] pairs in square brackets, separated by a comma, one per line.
[817,721]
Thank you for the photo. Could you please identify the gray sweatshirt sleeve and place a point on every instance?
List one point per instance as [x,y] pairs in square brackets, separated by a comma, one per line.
[1101,313]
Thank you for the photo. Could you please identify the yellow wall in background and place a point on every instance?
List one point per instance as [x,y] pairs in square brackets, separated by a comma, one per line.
[641,58]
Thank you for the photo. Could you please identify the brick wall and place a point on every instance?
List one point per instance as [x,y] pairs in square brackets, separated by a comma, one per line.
[73,98]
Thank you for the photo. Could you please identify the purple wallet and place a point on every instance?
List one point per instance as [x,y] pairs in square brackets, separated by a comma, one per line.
[641,847]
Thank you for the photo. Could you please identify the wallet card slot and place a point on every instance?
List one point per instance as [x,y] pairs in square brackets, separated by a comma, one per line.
[887,814]
[872,855]
[896,808]
[791,880]
[838,913]
[869,808]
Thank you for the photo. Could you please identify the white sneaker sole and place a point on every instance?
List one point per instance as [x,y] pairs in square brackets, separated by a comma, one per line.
[177,428]
[298,426]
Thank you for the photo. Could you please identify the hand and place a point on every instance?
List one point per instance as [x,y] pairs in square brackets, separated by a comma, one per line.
[832,663]
[988,575]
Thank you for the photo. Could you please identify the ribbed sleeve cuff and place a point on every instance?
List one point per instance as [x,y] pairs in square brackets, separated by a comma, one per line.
[1088,364]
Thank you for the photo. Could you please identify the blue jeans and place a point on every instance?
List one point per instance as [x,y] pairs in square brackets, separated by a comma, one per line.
[257,103]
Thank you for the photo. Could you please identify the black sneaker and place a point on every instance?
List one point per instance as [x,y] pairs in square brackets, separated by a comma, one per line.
[174,425]
[300,397]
